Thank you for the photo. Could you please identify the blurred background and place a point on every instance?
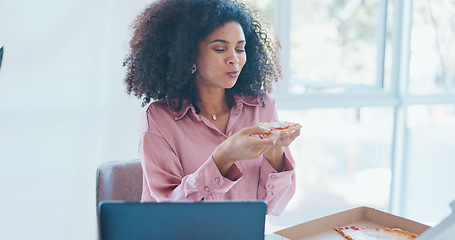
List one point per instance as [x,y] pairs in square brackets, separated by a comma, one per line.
[371,81]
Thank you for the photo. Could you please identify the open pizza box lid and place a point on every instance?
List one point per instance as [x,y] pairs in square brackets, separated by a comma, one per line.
[323,228]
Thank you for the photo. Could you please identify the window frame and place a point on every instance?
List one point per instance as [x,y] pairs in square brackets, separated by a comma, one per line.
[396,95]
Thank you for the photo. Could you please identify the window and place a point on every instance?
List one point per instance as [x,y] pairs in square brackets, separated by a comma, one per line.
[432,66]
[336,46]
[430,164]
[341,155]
[372,82]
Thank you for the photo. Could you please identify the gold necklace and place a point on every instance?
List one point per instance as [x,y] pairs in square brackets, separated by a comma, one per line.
[214,115]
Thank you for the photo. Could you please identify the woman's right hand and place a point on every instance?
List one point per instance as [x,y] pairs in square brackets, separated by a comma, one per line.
[245,144]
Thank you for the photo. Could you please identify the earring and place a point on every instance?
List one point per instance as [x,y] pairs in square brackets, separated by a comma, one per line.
[193,69]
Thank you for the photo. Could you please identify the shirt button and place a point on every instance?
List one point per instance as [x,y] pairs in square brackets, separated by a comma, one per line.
[269,186]
[273,176]
[217,180]
[207,189]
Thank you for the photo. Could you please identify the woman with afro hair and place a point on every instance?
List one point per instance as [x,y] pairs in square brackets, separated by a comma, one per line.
[204,69]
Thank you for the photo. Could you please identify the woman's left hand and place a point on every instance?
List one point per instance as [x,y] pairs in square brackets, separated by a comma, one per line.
[275,154]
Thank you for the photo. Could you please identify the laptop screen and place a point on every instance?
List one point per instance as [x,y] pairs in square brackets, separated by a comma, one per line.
[207,220]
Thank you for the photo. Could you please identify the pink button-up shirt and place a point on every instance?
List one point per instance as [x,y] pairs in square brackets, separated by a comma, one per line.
[176,155]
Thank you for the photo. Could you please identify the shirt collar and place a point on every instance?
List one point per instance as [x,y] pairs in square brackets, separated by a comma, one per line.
[238,101]
[247,100]
[186,106]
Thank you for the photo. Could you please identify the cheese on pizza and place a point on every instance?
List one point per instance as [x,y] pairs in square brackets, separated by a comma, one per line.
[280,126]
[370,233]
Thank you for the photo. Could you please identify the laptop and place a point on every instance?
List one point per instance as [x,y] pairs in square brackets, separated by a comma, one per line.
[206,220]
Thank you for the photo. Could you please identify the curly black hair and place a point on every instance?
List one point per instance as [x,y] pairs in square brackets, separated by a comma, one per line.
[164,47]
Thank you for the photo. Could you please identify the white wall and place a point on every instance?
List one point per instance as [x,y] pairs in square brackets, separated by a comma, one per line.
[63,111]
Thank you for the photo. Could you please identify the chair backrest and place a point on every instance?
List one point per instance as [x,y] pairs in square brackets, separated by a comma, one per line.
[120,180]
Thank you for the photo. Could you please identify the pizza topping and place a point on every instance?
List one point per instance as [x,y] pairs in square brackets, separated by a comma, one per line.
[280,126]
[367,233]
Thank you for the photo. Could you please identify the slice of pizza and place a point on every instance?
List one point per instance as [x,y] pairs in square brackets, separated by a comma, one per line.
[280,126]
[367,233]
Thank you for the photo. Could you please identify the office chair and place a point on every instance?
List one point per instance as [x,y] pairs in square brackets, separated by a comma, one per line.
[120,180]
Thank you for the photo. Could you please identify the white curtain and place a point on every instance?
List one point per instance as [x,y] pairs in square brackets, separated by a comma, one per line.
[63,111]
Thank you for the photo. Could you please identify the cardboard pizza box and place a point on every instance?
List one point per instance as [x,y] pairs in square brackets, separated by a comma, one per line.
[323,228]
